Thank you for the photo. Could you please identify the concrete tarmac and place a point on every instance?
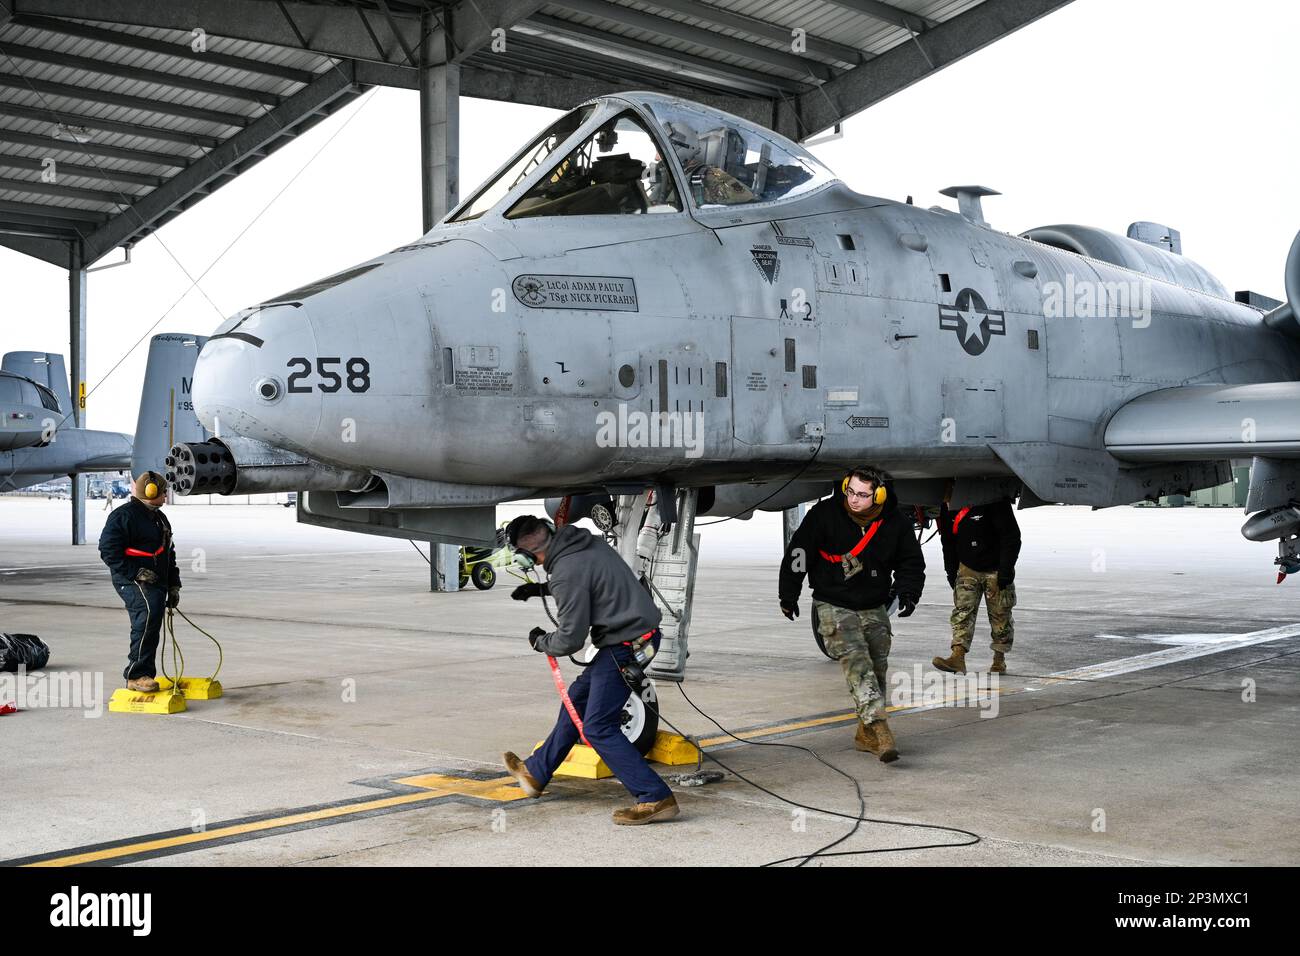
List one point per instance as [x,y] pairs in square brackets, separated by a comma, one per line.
[1149,716]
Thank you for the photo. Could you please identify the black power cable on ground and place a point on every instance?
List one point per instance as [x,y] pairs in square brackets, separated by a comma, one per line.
[858,820]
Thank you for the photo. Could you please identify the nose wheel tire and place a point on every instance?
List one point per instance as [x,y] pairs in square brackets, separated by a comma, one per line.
[640,718]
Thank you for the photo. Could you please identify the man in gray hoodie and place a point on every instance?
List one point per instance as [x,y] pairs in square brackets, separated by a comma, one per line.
[594,591]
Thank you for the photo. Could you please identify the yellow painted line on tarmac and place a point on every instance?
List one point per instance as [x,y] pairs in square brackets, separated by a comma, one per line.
[833,719]
[434,786]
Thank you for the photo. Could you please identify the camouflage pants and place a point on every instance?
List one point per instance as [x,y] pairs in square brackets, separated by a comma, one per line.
[971,585]
[860,641]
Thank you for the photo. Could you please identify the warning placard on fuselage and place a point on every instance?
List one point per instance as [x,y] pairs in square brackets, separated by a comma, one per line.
[576,292]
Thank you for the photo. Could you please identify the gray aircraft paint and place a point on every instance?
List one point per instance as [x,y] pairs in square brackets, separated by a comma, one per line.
[490,355]
[38,442]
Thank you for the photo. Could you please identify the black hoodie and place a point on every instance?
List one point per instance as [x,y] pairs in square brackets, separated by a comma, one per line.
[987,539]
[891,561]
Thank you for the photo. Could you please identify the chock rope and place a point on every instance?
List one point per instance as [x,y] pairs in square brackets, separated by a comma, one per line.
[221,655]
[178,656]
[564,698]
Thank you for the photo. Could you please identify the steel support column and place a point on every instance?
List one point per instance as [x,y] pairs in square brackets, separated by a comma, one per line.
[77,375]
[439,125]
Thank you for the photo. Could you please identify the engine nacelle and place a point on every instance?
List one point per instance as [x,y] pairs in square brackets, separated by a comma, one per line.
[1286,317]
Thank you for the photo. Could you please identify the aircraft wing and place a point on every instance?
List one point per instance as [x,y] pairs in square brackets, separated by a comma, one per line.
[1208,422]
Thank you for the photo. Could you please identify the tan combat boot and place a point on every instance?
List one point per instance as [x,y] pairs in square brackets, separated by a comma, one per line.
[999,665]
[876,738]
[955,663]
[143,685]
[519,770]
[664,809]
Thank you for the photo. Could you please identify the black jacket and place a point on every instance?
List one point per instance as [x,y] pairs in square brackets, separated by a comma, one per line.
[594,590]
[891,561]
[135,525]
[987,539]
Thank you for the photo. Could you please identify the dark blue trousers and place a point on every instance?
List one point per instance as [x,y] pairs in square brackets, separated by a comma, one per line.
[146,605]
[598,696]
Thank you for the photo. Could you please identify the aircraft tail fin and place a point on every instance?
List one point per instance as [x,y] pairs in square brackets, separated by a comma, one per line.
[166,408]
[46,369]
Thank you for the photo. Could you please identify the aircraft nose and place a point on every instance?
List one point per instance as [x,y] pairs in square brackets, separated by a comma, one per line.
[244,379]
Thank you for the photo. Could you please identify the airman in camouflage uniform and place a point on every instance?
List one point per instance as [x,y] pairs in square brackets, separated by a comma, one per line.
[858,551]
[980,546]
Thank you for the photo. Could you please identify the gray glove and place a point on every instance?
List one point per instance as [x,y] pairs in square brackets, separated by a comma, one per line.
[145,576]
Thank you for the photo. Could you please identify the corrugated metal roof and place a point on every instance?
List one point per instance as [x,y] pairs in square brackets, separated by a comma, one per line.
[133,119]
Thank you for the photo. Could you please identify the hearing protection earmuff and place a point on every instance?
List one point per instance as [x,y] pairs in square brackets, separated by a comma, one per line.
[521,527]
[151,488]
[879,497]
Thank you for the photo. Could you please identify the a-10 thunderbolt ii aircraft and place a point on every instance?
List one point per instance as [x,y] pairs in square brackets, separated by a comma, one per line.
[655,294]
[39,440]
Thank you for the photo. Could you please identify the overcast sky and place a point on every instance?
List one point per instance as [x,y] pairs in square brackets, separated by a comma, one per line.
[1177,111]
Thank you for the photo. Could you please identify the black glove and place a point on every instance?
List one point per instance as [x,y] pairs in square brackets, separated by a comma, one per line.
[906,605]
[173,597]
[791,611]
[952,580]
[531,589]
[534,634]
[145,576]
[1004,580]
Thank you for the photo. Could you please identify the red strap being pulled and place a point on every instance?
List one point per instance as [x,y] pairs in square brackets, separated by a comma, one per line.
[137,553]
[857,549]
[957,520]
[564,697]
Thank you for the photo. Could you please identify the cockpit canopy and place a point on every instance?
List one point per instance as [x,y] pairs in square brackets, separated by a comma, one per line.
[20,390]
[643,153]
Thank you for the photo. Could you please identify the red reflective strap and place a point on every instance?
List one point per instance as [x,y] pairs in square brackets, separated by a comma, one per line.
[857,549]
[137,553]
[644,637]
[957,520]
[564,697]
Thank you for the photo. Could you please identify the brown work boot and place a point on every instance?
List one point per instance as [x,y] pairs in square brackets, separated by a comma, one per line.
[862,740]
[143,685]
[876,738]
[954,663]
[999,665]
[664,809]
[519,770]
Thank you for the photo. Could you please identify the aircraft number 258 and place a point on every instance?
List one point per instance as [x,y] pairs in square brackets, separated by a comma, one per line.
[357,375]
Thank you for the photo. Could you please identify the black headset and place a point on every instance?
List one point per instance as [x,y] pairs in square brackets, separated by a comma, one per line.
[522,527]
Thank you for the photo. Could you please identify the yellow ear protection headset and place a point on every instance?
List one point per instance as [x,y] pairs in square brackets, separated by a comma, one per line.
[522,527]
[867,474]
[153,485]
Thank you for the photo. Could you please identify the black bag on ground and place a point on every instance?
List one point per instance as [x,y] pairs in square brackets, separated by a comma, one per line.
[23,650]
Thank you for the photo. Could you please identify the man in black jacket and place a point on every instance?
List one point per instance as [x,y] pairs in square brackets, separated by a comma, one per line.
[859,552]
[594,591]
[137,546]
[980,547]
